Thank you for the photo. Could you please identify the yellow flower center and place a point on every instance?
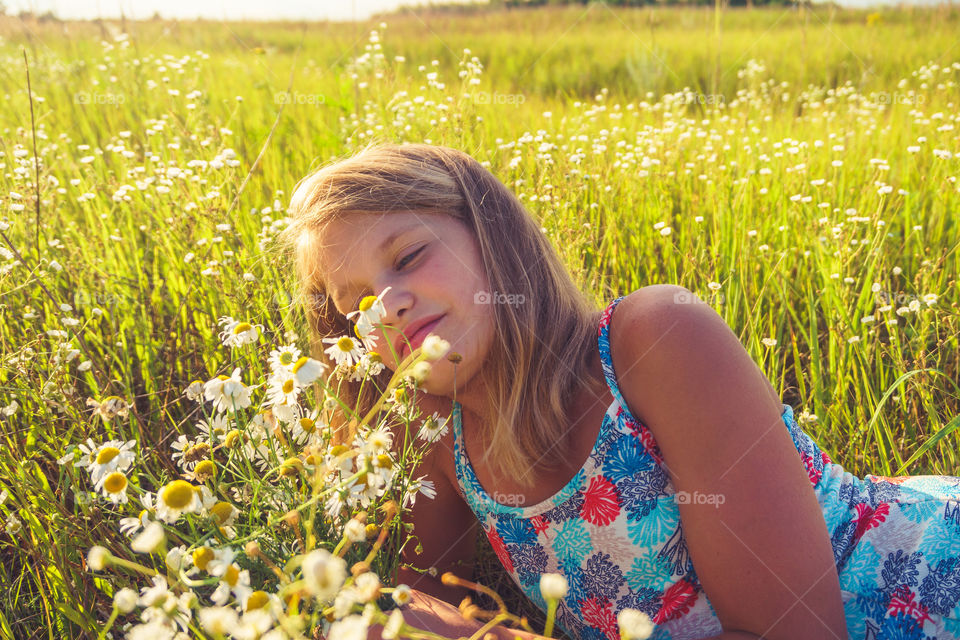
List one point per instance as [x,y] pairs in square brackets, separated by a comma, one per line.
[202,556]
[257,600]
[179,494]
[384,461]
[231,575]
[242,327]
[291,467]
[345,344]
[223,377]
[231,439]
[143,514]
[107,454]
[302,361]
[373,356]
[115,482]
[371,530]
[286,358]
[307,424]
[288,385]
[198,451]
[205,469]
[221,511]
[337,449]
[367,303]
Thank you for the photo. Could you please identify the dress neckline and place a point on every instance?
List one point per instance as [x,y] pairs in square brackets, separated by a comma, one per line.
[468,478]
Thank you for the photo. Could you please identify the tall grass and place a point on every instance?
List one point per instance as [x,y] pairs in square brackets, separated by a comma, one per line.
[654,146]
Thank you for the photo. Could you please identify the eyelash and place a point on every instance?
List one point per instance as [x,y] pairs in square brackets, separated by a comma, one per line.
[409,256]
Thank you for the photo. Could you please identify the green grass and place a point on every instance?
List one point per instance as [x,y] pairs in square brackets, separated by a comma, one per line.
[848,79]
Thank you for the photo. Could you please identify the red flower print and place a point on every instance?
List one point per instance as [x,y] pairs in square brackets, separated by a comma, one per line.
[540,524]
[812,472]
[597,612]
[675,602]
[826,459]
[905,601]
[600,502]
[868,518]
[499,548]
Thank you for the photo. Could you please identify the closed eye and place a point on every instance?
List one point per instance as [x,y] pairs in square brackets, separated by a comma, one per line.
[404,261]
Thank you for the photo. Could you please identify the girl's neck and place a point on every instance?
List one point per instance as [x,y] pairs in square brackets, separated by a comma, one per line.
[474,400]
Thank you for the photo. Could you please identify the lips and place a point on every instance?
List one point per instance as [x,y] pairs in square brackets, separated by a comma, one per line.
[419,334]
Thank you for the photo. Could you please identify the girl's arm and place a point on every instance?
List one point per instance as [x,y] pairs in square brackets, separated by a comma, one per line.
[429,613]
[754,529]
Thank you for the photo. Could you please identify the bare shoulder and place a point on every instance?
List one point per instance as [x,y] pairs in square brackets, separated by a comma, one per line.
[664,339]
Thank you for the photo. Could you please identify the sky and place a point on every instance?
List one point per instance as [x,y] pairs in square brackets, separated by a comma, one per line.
[255,9]
[213,9]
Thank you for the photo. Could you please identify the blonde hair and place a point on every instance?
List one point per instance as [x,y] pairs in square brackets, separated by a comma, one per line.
[541,347]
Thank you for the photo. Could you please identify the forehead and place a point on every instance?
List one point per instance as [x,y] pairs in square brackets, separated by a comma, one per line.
[354,242]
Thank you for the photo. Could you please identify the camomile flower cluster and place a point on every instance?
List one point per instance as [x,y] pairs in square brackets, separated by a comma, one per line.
[260,508]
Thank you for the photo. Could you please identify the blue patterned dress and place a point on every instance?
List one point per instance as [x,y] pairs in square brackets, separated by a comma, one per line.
[614,532]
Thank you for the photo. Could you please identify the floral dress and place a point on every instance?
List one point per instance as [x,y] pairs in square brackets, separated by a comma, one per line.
[614,532]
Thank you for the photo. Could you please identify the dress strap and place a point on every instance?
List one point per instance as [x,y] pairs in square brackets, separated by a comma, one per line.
[603,338]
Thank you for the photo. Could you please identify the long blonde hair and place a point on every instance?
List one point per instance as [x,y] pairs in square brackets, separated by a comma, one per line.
[540,347]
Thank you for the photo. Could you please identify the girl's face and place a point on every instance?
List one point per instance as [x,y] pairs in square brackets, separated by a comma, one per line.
[432,264]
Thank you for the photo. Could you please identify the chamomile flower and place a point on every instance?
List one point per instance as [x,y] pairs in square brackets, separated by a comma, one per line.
[112,455]
[194,391]
[420,485]
[307,370]
[114,487]
[232,580]
[394,624]
[369,313]
[110,408]
[219,621]
[634,624]
[344,350]
[282,388]
[130,526]
[323,574]
[227,393]
[433,428]
[307,428]
[377,441]
[402,594]
[151,540]
[175,498]
[237,333]
[370,363]
[216,429]
[284,357]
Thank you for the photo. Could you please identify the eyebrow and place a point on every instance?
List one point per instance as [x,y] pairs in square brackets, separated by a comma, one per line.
[387,242]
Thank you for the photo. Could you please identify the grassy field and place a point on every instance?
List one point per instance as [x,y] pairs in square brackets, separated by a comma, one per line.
[796,169]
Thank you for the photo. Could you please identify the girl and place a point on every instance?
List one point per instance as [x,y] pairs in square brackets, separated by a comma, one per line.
[635,449]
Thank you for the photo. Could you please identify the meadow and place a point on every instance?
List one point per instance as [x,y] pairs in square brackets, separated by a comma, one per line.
[796,169]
